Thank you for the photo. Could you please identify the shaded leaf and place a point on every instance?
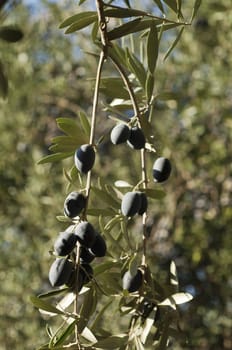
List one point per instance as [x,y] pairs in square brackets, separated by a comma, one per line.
[43,305]
[174,43]
[100,211]
[10,34]
[82,23]
[69,127]
[112,342]
[152,47]
[53,293]
[77,17]
[153,193]
[124,29]
[123,12]
[54,157]
[160,5]
[150,81]
[85,123]
[106,197]
[114,88]
[87,309]
[196,6]
[3,82]
[137,68]
[60,338]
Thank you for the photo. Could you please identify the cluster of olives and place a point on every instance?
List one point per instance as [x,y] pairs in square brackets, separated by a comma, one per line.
[133,136]
[64,270]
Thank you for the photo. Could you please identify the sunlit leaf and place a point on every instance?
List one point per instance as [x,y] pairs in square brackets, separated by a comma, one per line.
[123,184]
[114,88]
[173,274]
[69,127]
[60,338]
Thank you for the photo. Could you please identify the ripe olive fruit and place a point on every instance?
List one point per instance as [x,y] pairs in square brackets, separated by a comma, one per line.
[132,283]
[74,203]
[120,134]
[136,139]
[84,158]
[161,169]
[60,271]
[85,234]
[65,243]
[131,203]
[86,256]
[99,246]
[144,203]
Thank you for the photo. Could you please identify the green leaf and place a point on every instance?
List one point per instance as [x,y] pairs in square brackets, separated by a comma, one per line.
[10,34]
[113,87]
[85,123]
[112,342]
[76,18]
[196,6]
[176,299]
[173,274]
[134,263]
[137,68]
[82,23]
[3,82]
[105,266]
[57,148]
[124,29]
[174,43]
[69,127]
[60,338]
[106,197]
[152,48]
[54,157]
[98,318]
[123,12]
[53,293]
[160,5]
[43,305]
[150,81]
[153,193]
[87,309]
[175,6]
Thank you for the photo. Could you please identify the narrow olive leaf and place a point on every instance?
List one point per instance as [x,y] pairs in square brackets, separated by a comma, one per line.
[69,127]
[174,6]
[85,123]
[181,298]
[105,266]
[119,53]
[88,335]
[54,157]
[154,193]
[133,264]
[147,128]
[124,29]
[173,274]
[53,293]
[160,5]
[138,343]
[122,184]
[62,147]
[167,95]
[174,43]
[137,68]
[99,315]
[43,305]
[112,342]
[87,309]
[196,6]
[82,23]
[106,197]
[123,12]
[75,18]
[147,326]
[150,82]
[113,87]
[10,34]
[152,48]
[3,82]
[63,335]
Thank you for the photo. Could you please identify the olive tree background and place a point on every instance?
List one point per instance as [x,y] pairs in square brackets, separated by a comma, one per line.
[47,75]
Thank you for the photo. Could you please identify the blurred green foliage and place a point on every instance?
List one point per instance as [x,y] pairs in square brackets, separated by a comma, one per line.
[47,79]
